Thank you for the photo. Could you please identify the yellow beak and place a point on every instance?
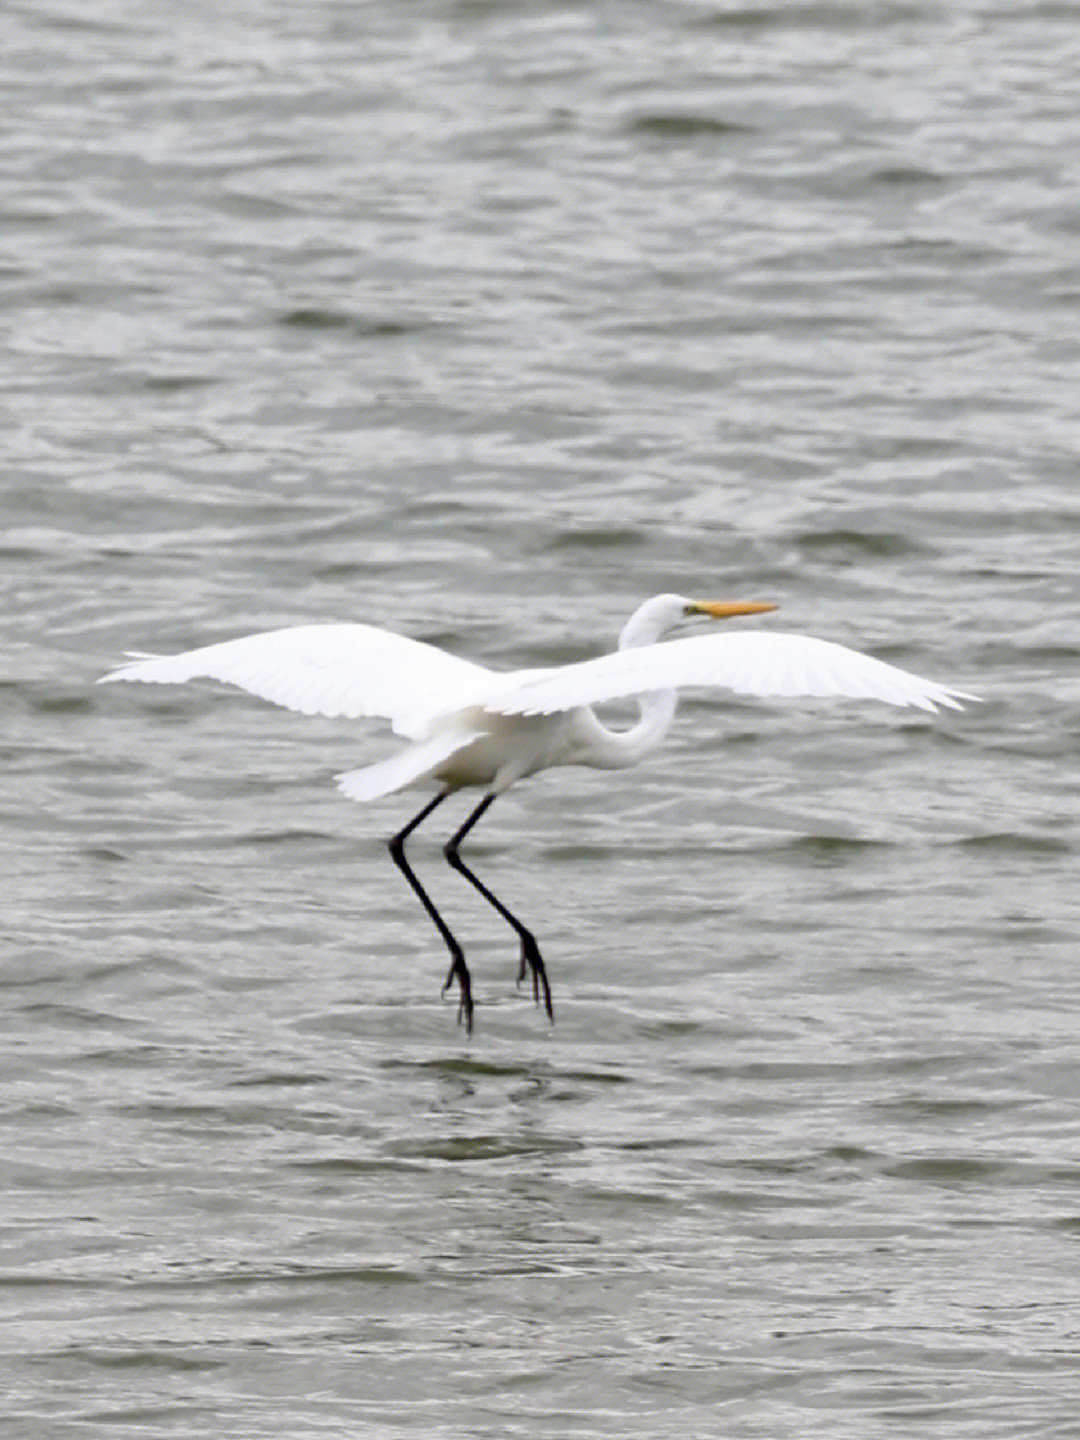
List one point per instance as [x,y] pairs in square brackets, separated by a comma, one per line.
[724,609]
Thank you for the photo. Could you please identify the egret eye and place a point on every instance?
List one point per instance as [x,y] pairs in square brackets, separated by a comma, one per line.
[689,610]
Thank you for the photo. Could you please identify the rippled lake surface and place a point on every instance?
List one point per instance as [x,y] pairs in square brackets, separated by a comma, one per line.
[482,321]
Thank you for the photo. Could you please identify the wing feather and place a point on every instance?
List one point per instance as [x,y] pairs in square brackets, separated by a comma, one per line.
[762,663]
[334,670]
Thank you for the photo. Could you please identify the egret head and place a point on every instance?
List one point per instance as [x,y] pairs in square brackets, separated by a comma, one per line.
[664,612]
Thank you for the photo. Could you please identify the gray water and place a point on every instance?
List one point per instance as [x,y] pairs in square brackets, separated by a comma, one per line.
[482,321]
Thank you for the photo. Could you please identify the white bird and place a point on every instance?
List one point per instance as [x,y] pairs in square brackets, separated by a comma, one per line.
[471,726]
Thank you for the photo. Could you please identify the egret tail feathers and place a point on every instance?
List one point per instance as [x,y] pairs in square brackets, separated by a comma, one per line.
[415,762]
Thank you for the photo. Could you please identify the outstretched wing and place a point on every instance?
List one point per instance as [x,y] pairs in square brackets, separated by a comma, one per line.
[335,670]
[765,663]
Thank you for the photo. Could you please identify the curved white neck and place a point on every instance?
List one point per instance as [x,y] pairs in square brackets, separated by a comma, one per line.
[612,749]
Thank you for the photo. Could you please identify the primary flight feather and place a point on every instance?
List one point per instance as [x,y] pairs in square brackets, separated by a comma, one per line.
[473,726]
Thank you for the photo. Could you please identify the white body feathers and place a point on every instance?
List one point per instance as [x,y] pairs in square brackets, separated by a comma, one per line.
[470,725]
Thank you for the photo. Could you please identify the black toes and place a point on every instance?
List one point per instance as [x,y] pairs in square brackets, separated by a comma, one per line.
[459,971]
[532,963]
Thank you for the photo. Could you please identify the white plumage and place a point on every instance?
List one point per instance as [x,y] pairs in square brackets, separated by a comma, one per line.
[336,670]
[472,726]
[444,703]
[762,663]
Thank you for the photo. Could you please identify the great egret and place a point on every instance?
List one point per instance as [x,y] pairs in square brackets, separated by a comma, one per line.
[471,726]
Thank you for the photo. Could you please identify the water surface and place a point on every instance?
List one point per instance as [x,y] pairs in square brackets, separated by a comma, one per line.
[482,324]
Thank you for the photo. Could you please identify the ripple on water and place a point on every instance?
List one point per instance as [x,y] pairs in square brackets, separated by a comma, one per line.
[480,328]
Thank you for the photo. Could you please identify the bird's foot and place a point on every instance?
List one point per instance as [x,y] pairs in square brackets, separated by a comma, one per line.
[459,971]
[532,963]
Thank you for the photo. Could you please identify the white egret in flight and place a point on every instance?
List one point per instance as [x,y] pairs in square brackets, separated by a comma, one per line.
[471,726]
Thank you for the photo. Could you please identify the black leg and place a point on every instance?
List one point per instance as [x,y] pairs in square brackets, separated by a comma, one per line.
[459,971]
[531,961]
